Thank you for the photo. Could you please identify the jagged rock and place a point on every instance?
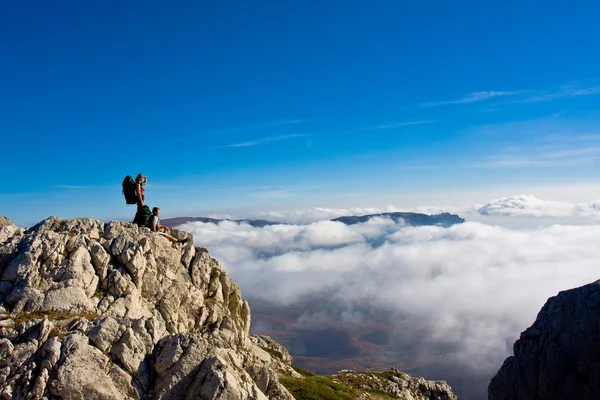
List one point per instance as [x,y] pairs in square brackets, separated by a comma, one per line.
[397,384]
[558,356]
[104,333]
[7,229]
[193,366]
[271,360]
[114,311]
[267,342]
[10,237]
[83,372]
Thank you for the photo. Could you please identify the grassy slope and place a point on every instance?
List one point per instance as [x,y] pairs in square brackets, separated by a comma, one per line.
[313,387]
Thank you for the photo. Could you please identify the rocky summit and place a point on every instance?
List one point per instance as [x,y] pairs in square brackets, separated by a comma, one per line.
[558,357]
[92,310]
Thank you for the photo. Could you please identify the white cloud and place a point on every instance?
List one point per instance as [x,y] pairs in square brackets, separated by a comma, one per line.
[473,285]
[531,206]
[329,233]
[525,205]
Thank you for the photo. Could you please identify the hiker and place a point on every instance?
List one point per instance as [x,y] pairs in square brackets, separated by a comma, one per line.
[133,190]
[140,182]
[143,212]
[162,230]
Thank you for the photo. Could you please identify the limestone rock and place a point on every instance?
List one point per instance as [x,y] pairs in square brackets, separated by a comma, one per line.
[113,311]
[557,357]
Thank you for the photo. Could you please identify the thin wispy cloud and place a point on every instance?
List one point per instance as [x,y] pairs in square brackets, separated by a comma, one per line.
[70,187]
[535,96]
[548,157]
[267,140]
[264,125]
[396,125]
[471,98]
[563,92]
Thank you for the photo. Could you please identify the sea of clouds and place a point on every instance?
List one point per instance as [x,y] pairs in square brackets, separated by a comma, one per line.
[512,206]
[475,285]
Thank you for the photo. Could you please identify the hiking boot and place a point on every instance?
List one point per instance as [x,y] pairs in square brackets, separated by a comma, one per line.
[183,241]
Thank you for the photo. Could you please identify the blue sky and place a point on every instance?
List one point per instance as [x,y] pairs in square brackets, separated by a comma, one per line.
[229,105]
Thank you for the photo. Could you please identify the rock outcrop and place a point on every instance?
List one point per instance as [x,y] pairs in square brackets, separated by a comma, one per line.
[394,383]
[558,357]
[112,311]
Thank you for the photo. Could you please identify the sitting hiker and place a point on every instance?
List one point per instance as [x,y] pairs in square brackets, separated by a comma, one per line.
[162,230]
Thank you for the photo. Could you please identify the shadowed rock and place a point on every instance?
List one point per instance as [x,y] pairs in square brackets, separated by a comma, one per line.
[558,357]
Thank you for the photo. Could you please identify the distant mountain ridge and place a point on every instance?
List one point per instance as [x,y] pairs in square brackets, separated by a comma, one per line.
[413,219]
[176,221]
[410,218]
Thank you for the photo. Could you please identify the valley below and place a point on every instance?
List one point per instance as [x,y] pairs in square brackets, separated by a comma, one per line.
[323,339]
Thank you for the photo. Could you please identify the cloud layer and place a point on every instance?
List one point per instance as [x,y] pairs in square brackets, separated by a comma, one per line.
[472,285]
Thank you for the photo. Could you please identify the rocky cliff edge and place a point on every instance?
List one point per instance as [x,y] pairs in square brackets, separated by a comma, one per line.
[112,311]
[90,310]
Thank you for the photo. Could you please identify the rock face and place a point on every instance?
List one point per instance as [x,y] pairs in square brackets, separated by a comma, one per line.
[558,357]
[111,311]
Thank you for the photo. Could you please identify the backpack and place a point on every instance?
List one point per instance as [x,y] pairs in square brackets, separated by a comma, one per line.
[129,191]
[143,216]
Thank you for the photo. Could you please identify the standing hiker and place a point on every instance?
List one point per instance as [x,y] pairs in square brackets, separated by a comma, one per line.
[140,182]
[143,213]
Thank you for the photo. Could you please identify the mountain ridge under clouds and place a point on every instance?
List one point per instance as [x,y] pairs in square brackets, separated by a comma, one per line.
[410,218]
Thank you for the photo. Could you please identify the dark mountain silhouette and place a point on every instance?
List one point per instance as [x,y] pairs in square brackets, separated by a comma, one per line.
[413,219]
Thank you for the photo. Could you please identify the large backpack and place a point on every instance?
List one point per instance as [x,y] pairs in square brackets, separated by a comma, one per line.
[143,216]
[129,191]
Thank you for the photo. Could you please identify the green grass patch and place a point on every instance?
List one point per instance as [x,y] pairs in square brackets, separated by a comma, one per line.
[384,375]
[317,388]
[273,353]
